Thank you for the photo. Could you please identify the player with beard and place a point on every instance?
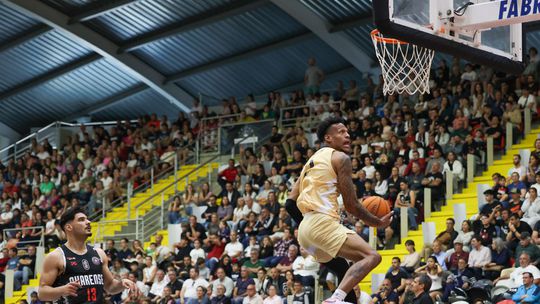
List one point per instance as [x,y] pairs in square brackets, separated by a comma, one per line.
[325,176]
[77,272]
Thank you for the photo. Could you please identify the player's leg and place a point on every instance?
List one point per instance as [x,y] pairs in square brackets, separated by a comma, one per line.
[365,260]
[337,265]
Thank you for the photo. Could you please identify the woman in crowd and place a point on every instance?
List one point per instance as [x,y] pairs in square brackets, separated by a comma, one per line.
[500,259]
[411,260]
[434,271]
[465,235]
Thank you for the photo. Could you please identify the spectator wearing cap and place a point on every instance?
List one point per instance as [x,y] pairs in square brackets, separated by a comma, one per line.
[526,246]
[515,202]
[516,229]
[459,253]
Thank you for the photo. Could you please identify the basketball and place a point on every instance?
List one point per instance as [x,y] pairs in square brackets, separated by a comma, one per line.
[376,205]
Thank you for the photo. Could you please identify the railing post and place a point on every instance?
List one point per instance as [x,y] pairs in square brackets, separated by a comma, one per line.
[427,203]
[187,182]
[152,179]
[129,190]
[209,172]
[40,257]
[137,229]
[404,223]
[470,168]
[449,185]
[219,138]
[372,237]
[489,151]
[509,135]
[527,122]
[103,204]
[197,149]
[10,277]
[175,172]
[162,210]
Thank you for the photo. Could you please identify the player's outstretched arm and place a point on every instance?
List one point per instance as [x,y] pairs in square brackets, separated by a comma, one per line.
[52,267]
[343,168]
[112,285]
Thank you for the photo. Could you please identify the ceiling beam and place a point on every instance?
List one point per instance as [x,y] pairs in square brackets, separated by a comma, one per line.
[193,22]
[97,11]
[23,37]
[351,23]
[104,104]
[85,36]
[272,46]
[62,70]
[320,27]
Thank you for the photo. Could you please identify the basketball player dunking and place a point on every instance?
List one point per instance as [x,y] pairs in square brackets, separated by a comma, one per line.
[326,175]
[77,272]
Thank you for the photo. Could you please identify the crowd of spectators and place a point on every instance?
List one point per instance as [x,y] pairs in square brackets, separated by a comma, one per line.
[243,248]
[91,169]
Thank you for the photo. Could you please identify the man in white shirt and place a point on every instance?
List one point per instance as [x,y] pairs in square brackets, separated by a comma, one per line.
[306,267]
[106,179]
[251,206]
[234,248]
[146,145]
[189,290]
[526,100]
[6,216]
[162,252]
[160,282]
[516,277]
[479,256]
[222,279]
[518,168]
[142,287]
[42,153]
[252,296]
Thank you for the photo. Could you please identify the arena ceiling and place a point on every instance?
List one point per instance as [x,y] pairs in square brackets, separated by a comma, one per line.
[63,59]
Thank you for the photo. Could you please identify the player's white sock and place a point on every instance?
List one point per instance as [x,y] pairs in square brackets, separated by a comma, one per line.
[339,294]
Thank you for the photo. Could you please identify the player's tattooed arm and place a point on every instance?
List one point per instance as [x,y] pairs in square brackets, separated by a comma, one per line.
[343,168]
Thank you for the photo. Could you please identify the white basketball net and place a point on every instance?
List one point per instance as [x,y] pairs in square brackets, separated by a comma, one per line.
[405,67]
